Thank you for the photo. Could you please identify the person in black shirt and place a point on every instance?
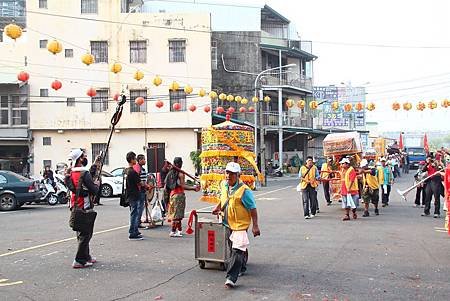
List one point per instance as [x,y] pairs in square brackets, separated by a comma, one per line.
[163,174]
[132,182]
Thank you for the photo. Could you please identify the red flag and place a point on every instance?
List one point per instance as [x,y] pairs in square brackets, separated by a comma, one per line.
[425,144]
[400,142]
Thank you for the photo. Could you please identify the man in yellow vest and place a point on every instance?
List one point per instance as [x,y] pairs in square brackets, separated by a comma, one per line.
[239,210]
[309,177]
[370,193]
[349,189]
[325,176]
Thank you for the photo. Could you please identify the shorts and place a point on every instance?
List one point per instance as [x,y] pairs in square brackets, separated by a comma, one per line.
[176,206]
[371,196]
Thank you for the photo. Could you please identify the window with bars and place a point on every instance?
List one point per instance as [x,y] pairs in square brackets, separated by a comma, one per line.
[177,96]
[68,52]
[47,163]
[46,140]
[99,50]
[4,110]
[70,101]
[19,106]
[138,52]
[89,6]
[43,92]
[99,103]
[43,44]
[177,51]
[42,3]
[97,149]
[213,55]
[133,106]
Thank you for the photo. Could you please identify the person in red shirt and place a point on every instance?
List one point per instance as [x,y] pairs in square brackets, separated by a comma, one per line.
[433,186]
[349,189]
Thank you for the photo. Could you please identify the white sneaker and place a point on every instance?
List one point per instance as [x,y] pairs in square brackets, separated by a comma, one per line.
[307,217]
[229,283]
[312,215]
[179,234]
[172,234]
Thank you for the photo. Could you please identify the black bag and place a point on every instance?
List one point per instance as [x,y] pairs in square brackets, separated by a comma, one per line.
[81,220]
[123,197]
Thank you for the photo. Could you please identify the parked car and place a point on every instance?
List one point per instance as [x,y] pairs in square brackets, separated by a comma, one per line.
[118,172]
[111,185]
[16,190]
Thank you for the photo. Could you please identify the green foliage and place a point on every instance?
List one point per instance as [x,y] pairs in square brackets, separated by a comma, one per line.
[196,160]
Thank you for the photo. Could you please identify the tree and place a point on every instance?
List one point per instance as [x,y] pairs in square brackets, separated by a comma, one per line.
[196,160]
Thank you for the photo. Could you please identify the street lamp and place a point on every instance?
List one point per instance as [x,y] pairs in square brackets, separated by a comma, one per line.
[280,108]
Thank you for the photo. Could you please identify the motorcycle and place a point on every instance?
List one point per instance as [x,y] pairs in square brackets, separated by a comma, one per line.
[48,192]
[276,173]
[62,192]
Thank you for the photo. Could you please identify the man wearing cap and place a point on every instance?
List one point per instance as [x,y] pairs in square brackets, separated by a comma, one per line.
[238,206]
[309,177]
[326,175]
[386,179]
[349,189]
[370,192]
[79,178]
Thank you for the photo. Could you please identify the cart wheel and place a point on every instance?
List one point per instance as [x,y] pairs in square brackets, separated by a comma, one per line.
[223,266]
[201,264]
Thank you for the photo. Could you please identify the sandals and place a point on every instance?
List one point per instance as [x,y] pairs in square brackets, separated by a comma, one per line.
[346,218]
[355,216]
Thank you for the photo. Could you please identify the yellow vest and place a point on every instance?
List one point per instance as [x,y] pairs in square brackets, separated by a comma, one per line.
[310,178]
[371,181]
[351,186]
[325,171]
[380,174]
[238,217]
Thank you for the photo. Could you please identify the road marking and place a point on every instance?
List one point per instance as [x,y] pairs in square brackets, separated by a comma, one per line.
[441,231]
[3,282]
[439,228]
[272,191]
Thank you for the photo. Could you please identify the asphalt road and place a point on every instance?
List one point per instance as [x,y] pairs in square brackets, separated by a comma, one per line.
[398,255]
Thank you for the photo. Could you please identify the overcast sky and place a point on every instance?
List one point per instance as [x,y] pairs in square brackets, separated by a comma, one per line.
[394,74]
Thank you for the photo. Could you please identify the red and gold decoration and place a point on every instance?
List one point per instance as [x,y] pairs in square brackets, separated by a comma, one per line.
[91,92]
[301,104]
[395,106]
[255,99]
[188,89]
[242,109]
[313,105]
[371,106]
[159,104]
[445,103]
[56,85]
[139,100]
[23,76]
[222,96]
[87,59]
[348,107]
[223,143]
[289,103]
[13,31]
[230,97]
[432,105]
[244,101]
[335,105]
[407,106]
[201,92]
[116,97]
[176,106]
[421,106]
[174,86]
[138,75]
[207,109]
[266,98]
[238,99]
[251,109]
[220,110]
[157,81]
[230,110]
[359,106]
[192,108]
[212,95]
[54,47]
[116,68]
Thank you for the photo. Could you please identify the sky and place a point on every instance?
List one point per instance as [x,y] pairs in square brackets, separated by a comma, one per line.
[415,71]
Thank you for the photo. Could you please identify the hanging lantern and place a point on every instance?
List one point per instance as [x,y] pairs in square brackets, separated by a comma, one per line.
[87,59]
[395,106]
[251,109]
[116,68]
[244,101]
[23,76]
[91,92]
[220,110]
[301,104]
[116,97]
[176,106]
[159,104]
[370,106]
[255,99]
[421,106]
[445,103]
[348,107]
[289,103]
[54,47]
[231,110]
[13,31]
[139,100]
[56,85]
[242,109]
[335,105]
[138,75]
[222,96]
[157,81]
[313,105]
[207,109]
[192,108]
[266,98]
[230,97]
[238,99]
[201,92]
[188,89]
[432,105]
[212,95]
[407,106]
[359,106]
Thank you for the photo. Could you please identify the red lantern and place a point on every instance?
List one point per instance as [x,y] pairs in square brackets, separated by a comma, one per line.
[231,110]
[139,100]
[359,106]
[192,108]
[251,109]
[56,85]
[91,92]
[242,109]
[116,97]
[176,106]
[159,104]
[207,109]
[23,76]
[220,110]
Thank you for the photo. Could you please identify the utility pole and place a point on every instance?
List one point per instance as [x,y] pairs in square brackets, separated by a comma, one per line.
[262,145]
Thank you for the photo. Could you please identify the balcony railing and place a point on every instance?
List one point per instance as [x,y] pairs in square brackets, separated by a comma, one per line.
[287,79]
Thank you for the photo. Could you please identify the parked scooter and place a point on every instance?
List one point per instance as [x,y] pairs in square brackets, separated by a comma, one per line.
[48,192]
[62,192]
[276,173]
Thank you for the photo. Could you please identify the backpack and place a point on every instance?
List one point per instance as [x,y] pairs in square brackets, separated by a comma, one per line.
[171,180]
